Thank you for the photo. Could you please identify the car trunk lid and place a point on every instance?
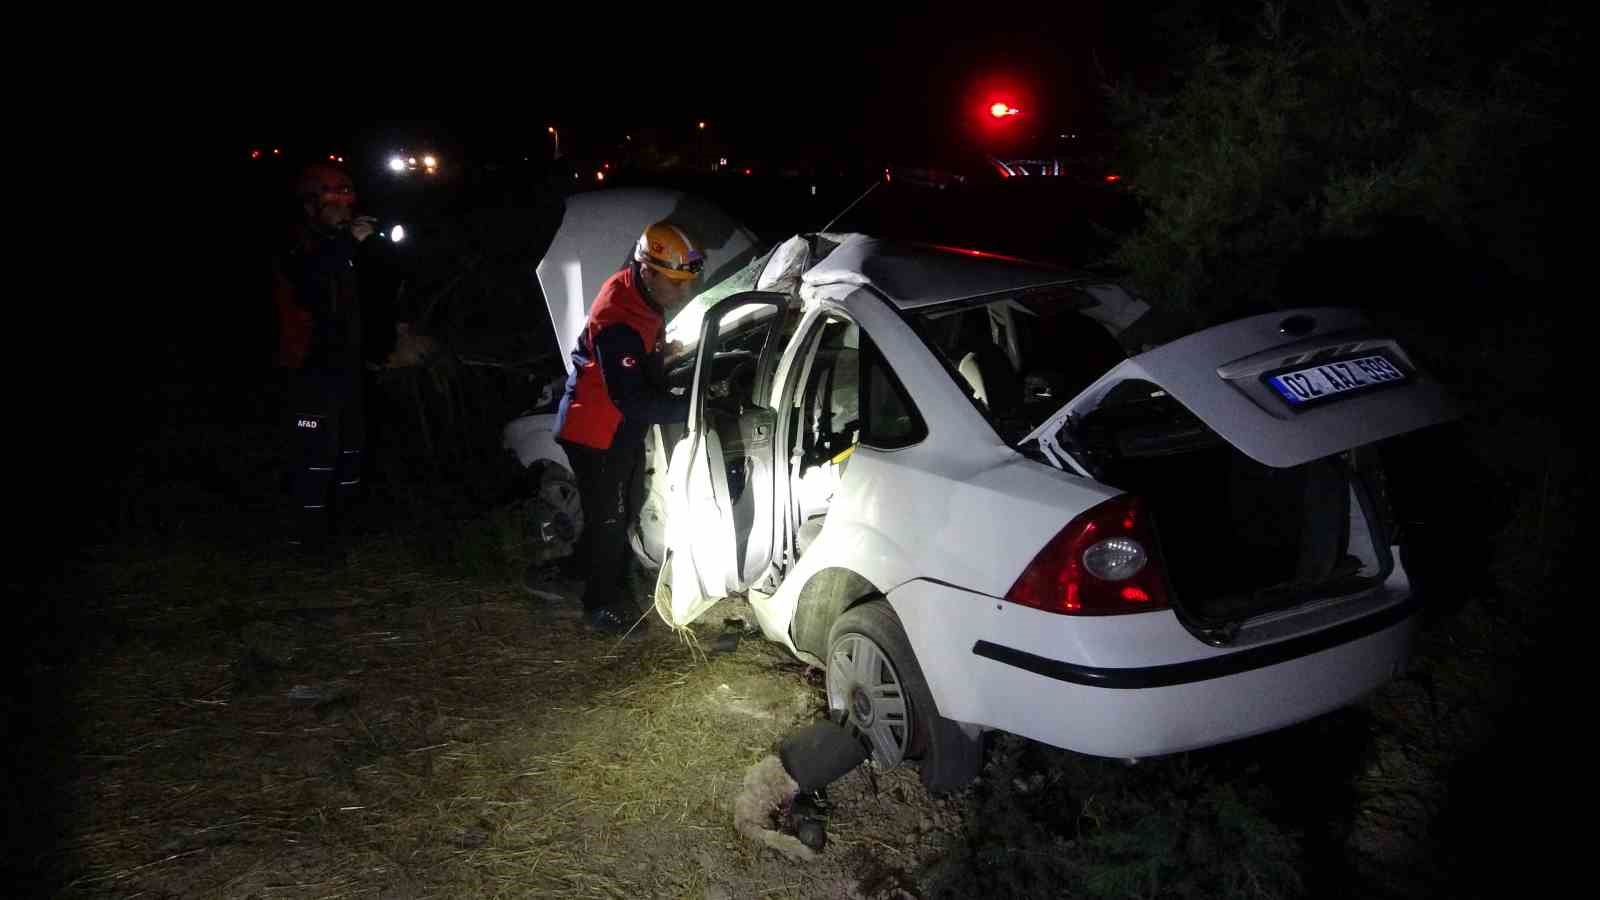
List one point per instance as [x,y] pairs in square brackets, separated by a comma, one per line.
[1222,375]
[1265,489]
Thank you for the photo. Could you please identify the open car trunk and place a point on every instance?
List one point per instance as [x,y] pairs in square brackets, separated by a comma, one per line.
[1239,538]
[1256,445]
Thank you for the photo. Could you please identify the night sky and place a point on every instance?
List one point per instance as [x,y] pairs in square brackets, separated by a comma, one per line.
[891,89]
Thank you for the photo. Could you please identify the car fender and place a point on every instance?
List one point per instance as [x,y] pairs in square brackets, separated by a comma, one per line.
[533,438]
[846,556]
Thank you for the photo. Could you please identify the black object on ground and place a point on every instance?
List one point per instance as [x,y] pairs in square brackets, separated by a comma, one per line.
[609,621]
[727,642]
[812,834]
[820,754]
[807,820]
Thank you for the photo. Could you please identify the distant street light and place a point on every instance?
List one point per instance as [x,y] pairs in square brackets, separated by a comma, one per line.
[557,135]
[702,126]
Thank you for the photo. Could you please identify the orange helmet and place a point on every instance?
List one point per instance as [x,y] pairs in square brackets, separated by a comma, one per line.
[665,248]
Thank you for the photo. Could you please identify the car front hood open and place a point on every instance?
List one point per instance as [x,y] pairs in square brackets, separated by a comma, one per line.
[596,238]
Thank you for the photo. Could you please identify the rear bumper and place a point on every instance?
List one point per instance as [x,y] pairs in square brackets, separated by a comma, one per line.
[1211,697]
[1174,674]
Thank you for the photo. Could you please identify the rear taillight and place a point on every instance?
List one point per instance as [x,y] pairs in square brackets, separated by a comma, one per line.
[1103,563]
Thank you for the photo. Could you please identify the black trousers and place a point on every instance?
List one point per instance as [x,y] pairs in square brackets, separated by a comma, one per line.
[326,426]
[610,483]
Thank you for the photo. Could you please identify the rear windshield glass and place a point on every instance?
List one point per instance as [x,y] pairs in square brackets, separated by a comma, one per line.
[1020,358]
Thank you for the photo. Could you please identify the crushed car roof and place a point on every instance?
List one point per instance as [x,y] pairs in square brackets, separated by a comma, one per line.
[917,275]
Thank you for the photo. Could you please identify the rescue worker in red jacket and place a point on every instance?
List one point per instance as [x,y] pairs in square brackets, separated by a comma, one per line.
[616,391]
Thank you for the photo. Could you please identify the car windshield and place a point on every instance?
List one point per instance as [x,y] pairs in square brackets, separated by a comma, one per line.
[1020,357]
[684,329]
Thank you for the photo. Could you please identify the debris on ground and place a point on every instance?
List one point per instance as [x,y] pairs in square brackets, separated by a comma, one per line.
[805,819]
[820,754]
[734,630]
[782,806]
[318,694]
[768,789]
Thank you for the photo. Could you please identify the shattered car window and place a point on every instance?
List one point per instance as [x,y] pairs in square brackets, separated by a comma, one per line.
[684,329]
[1020,358]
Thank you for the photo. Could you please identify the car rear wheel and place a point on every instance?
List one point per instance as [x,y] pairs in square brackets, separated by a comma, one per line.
[557,513]
[876,687]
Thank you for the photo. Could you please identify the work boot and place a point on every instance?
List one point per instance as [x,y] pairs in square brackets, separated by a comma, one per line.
[609,621]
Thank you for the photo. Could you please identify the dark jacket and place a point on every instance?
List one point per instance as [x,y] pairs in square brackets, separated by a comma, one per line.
[319,311]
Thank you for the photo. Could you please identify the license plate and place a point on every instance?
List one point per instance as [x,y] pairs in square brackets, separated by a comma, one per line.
[1331,380]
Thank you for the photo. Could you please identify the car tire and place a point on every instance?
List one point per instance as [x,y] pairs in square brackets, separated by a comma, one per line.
[555,509]
[876,686]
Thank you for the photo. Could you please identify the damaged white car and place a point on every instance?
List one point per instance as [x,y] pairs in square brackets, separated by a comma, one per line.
[938,475]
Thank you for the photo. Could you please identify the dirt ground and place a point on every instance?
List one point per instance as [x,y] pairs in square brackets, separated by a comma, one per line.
[301,731]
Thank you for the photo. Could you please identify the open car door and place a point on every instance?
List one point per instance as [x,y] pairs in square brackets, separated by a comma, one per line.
[720,523]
